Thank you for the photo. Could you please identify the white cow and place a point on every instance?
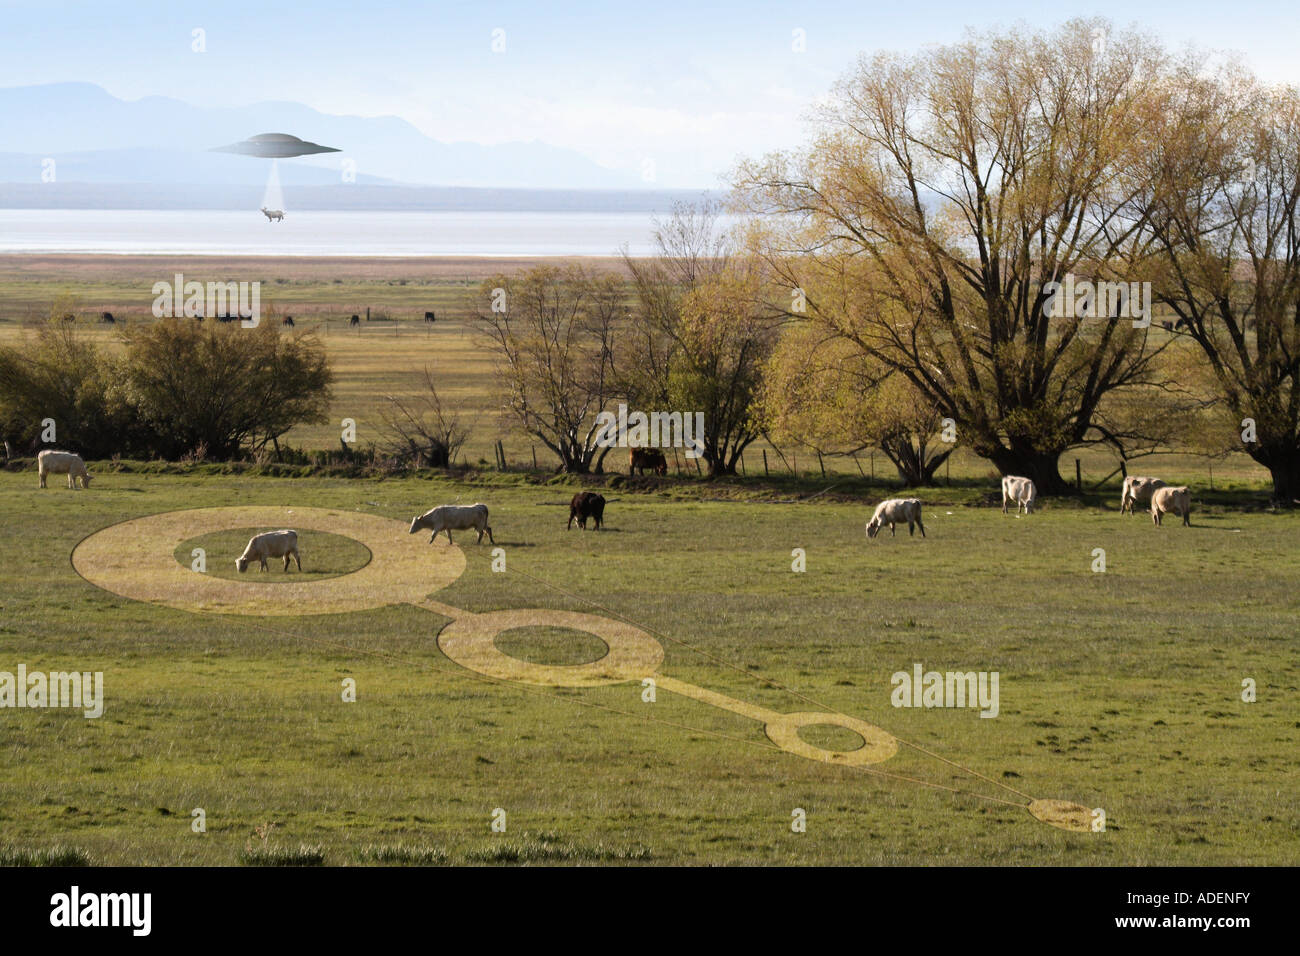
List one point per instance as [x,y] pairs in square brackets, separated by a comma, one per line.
[51,462]
[1137,490]
[1020,490]
[270,544]
[273,214]
[450,518]
[895,511]
[1176,501]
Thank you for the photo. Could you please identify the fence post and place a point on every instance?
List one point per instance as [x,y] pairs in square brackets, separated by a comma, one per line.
[1078,477]
[765,463]
[742,465]
[1211,476]
[821,464]
[794,466]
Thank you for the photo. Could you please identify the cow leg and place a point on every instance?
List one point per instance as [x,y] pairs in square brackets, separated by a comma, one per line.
[296,559]
[490,538]
[286,564]
[921,526]
[42,477]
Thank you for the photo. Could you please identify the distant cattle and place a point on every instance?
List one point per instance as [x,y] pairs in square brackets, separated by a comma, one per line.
[430,317]
[108,317]
[69,317]
[273,215]
[287,320]
[586,504]
[643,458]
[51,462]
[1177,501]
[449,518]
[1137,490]
[895,511]
[1022,491]
[270,544]
[355,320]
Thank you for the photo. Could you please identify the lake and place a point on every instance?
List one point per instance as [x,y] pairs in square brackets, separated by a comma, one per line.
[325,233]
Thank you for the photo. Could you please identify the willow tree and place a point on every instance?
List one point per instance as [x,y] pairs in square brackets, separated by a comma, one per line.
[822,392]
[942,193]
[1224,212]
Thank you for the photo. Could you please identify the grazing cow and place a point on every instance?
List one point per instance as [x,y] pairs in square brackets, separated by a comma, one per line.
[287,320]
[1020,490]
[644,458]
[69,317]
[1171,500]
[586,504]
[273,215]
[355,320]
[450,518]
[270,544]
[1137,490]
[108,317]
[430,317]
[51,462]
[895,511]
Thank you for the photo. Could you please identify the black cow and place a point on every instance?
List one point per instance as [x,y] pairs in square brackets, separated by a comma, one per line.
[287,320]
[108,317]
[355,320]
[430,317]
[586,504]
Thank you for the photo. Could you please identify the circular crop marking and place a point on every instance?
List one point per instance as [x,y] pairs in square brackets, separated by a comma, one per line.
[1063,814]
[783,730]
[470,641]
[136,559]
[324,555]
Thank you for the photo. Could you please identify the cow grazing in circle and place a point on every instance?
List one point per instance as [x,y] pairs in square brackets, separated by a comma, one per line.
[430,317]
[644,458]
[586,504]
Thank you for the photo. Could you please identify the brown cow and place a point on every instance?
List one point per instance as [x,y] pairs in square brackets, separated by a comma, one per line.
[586,504]
[644,458]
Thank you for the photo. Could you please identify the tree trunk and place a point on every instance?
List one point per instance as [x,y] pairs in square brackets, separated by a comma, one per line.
[1286,482]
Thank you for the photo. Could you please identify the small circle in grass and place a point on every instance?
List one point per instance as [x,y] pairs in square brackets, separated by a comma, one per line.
[551,646]
[324,555]
[831,737]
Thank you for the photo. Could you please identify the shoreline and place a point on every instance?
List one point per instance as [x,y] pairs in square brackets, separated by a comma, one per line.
[89,265]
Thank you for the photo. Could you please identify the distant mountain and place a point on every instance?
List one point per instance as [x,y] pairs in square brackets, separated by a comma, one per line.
[96,137]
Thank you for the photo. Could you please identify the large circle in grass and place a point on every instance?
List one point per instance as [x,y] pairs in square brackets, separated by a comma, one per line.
[137,559]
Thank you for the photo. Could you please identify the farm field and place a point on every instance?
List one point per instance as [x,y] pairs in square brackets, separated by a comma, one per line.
[388,357]
[1118,690]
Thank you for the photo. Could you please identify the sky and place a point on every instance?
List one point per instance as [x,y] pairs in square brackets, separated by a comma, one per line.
[688,87]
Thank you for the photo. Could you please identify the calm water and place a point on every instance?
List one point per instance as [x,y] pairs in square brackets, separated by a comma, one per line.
[212,232]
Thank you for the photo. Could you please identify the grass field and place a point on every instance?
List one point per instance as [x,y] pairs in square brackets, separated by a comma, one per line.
[1119,690]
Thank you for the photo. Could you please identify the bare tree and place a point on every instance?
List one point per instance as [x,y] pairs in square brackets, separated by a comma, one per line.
[421,431]
[554,334]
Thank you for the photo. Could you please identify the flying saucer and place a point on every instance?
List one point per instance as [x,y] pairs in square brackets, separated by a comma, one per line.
[274,146]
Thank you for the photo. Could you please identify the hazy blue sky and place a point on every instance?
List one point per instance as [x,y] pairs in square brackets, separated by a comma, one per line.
[688,85]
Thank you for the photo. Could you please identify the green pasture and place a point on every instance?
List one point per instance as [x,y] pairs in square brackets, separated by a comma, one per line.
[1120,690]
